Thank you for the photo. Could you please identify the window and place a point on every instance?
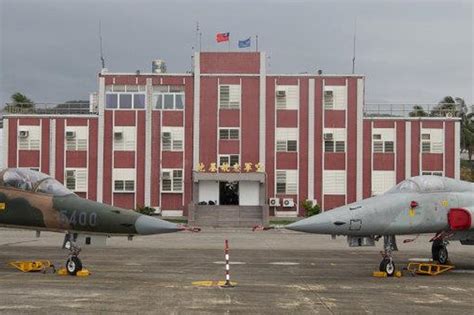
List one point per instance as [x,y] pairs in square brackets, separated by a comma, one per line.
[229,96]
[230,159]
[382,181]
[435,173]
[383,140]
[334,182]
[287,97]
[172,180]
[124,180]
[168,97]
[125,96]
[76,138]
[432,141]
[172,138]
[286,182]
[124,138]
[29,137]
[287,139]
[335,97]
[334,140]
[76,179]
[229,134]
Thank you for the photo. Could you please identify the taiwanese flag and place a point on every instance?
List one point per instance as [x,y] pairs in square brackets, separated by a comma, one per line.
[222,37]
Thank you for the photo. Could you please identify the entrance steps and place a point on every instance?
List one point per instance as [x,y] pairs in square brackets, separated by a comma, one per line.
[227,216]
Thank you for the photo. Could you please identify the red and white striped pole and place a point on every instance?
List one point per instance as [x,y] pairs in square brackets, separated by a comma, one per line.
[227,266]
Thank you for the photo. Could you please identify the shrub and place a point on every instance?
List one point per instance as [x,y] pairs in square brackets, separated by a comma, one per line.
[310,209]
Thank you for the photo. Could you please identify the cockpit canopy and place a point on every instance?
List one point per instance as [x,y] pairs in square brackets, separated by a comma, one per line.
[428,184]
[29,180]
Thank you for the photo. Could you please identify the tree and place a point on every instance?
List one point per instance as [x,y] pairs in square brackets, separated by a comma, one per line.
[448,106]
[19,102]
[418,111]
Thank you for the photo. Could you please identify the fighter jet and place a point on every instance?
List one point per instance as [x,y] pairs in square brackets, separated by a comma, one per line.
[33,200]
[418,205]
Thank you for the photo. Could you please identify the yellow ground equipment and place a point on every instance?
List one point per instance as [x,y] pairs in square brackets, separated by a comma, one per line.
[431,269]
[80,273]
[32,265]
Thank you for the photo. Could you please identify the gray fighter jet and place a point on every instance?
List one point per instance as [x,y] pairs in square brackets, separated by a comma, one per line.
[422,204]
[33,200]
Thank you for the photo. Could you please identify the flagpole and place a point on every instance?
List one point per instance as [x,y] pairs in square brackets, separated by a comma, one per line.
[256,42]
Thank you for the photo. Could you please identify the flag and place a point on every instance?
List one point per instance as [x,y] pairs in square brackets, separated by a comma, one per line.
[222,37]
[244,43]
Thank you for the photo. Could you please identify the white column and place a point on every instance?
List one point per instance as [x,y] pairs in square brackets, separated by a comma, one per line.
[311,139]
[100,140]
[52,148]
[148,132]
[360,137]
[197,96]
[407,148]
[457,149]
[262,109]
[5,142]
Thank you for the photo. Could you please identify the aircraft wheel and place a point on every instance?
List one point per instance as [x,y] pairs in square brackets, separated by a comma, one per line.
[73,265]
[440,253]
[387,266]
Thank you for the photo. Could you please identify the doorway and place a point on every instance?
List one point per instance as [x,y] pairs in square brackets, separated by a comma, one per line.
[229,193]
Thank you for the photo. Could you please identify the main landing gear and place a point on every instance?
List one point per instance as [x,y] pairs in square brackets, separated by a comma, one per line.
[73,263]
[387,265]
[439,251]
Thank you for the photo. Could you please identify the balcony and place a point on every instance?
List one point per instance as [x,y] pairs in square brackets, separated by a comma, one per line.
[67,108]
[440,110]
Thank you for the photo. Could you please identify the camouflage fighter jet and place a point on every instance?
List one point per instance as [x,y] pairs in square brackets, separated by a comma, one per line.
[33,200]
[418,205]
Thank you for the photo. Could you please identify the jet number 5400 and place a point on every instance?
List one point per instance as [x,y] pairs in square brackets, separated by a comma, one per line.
[81,218]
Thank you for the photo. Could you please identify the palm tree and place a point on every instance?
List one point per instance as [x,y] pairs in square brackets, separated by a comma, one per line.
[19,102]
[448,106]
[418,111]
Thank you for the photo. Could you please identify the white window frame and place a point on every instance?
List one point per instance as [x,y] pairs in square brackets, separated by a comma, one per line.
[235,96]
[79,142]
[121,90]
[338,135]
[229,133]
[291,98]
[335,182]
[172,180]
[436,140]
[176,139]
[168,90]
[283,137]
[128,141]
[124,175]
[387,135]
[382,181]
[289,178]
[80,179]
[339,97]
[32,141]
[228,157]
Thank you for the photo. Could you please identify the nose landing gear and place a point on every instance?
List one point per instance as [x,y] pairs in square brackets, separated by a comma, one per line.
[387,265]
[73,263]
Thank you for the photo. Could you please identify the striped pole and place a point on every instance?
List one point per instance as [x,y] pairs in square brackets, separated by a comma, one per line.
[227,265]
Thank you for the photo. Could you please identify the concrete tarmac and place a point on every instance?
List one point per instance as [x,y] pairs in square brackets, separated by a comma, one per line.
[277,272]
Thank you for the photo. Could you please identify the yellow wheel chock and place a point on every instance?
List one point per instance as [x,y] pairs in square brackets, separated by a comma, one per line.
[32,265]
[431,269]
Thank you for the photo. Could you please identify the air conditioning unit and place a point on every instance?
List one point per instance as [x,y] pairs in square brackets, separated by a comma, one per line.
[328,136]
[118,135]
[280,93]
[70,134]
[274,202]
[165,175]
[23,134]
[288,203]
[312,201]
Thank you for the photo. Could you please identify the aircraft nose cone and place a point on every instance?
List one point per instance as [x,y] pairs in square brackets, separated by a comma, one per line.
[146,225]
[321,224]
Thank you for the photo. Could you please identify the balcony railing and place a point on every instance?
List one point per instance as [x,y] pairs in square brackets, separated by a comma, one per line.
[412,110]
[49,109]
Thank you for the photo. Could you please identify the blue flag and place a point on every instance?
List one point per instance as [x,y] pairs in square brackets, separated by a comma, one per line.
[244,43]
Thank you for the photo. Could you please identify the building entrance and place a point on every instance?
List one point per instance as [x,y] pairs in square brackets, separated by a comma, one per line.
[229,193]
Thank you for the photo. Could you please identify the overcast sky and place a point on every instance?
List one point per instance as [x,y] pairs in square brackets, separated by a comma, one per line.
[410,51]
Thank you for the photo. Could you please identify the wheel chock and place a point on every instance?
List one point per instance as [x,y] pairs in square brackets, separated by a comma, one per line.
[83,273]
[398,274]
[31,265]
[379,274]
[62,272]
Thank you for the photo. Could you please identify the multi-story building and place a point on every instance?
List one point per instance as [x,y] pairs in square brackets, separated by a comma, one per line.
[230,133]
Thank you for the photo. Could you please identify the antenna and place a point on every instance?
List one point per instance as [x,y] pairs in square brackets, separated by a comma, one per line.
[354,46]
[102,60]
